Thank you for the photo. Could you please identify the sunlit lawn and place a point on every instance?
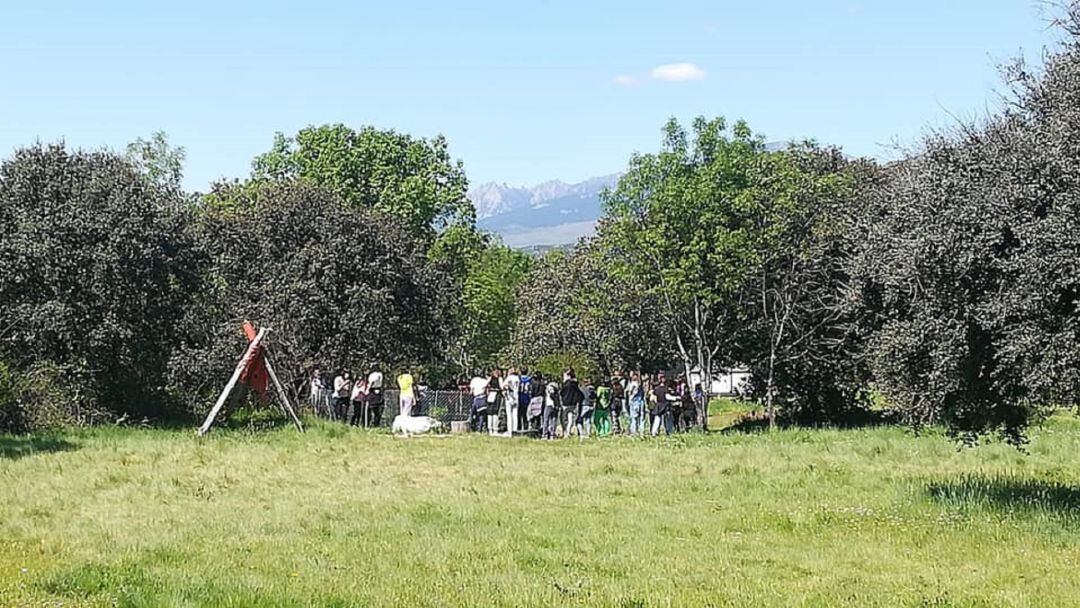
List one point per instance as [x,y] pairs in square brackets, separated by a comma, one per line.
[874,517]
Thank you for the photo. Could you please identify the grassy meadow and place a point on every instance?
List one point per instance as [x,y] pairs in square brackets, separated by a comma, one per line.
[346,517]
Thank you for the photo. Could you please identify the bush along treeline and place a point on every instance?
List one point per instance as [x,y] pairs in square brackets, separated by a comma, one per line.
[946,282]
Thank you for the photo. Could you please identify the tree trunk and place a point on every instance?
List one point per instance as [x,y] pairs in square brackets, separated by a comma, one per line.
[706,395]
[770,407]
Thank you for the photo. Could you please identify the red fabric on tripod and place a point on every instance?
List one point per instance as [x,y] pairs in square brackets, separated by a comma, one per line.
[255,374]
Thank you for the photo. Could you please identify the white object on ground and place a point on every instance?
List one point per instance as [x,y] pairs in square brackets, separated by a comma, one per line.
[414,425]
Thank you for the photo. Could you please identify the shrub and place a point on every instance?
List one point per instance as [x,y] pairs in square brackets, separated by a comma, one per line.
[340,287]
[95,276]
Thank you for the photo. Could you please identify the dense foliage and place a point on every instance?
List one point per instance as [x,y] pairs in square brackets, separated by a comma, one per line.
[412,178]
[972,259]
[97,273]
[743,250]
[573,310]
[338,286]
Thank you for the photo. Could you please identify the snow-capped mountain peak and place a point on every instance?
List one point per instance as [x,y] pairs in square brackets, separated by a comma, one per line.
[492,199]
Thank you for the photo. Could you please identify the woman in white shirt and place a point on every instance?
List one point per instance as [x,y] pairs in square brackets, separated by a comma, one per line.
[511,390]
[317,388]
[478,389]
[635,397]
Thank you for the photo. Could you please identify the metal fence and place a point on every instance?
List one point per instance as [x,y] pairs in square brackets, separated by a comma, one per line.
[445,406]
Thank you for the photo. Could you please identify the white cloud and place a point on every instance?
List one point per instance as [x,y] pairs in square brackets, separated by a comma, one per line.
[678,72]
[625,80]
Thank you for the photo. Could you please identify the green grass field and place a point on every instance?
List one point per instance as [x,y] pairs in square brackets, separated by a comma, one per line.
[341,517]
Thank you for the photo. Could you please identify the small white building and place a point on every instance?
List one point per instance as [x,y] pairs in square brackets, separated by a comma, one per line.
[730,381]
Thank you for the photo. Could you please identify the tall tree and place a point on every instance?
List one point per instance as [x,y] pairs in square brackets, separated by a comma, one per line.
[161,162]
[340,287]
[674,218]
[96,274]
[802,334]
[572,307]
[743,248]
[411,178]
[970,260]
[488,308]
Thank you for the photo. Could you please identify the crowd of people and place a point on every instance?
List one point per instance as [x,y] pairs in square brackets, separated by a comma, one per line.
[358,401]
[520,402]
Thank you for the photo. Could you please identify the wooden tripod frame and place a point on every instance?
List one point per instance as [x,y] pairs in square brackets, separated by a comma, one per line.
[253,350]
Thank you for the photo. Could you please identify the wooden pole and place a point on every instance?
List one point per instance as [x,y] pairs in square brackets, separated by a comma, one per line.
[285,405]
[251,349]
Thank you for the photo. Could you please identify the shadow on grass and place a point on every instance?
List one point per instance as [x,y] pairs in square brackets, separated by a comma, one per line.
[13,447]
[756,421]
[1007,493]
[252,420]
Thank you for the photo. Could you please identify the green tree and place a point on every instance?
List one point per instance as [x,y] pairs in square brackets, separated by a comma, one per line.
[488,307]
[340,287]
[161,162]
[742,248]
[95,274]
[411,178]
[801,339]
[969,261]
[547,324]
[571,307]
[457,249]
[676,219]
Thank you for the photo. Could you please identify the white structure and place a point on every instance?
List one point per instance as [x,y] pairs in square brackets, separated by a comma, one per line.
[732,381]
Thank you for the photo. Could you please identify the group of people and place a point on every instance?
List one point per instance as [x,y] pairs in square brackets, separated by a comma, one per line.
[633,404]
[521,402]
[360,401]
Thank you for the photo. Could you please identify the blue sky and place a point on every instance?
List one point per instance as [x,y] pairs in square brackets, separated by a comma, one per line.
[525,91]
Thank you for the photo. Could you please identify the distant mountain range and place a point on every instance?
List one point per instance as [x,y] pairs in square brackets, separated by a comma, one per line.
[549,214]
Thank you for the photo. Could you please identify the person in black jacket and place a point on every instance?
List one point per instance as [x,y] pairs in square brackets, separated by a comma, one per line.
[658,405]
[689,407]
[585,410]
[535,408]
[494,400]
[551,410]
[570,397]
[618,402]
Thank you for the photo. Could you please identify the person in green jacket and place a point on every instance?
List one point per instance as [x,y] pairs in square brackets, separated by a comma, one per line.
[602,413]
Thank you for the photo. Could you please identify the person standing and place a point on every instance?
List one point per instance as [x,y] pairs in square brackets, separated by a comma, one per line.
[635,402]
[342,387]
[700,403]
[585,410]
[659,404]
[524,400]
[375,399]
[477,414]
[570,397]
[551,410]
[687,407]
[618,402]
[604,411]
[494,400]
[512,395]
[646,415]
[674,408]
[406,395]
[534,413]
[359,396]
[317,390]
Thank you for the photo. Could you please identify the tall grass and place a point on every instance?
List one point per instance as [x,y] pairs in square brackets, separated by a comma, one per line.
[337,516]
